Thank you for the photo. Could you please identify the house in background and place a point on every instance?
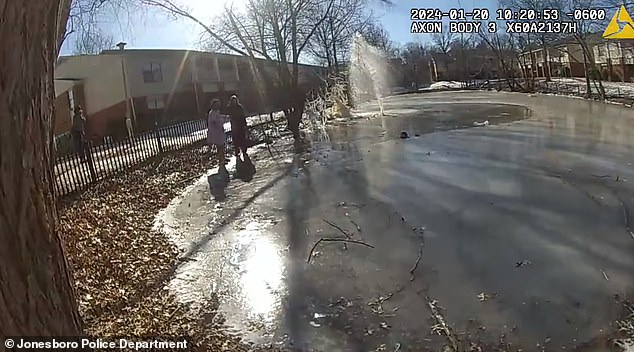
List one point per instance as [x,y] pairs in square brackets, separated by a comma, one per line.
[561,58]
[568,61]
[565,58]
[616,59]
[542,61]
[158,87]
[93,81]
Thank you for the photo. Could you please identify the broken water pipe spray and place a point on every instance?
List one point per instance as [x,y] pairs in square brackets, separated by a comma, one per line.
[369,75]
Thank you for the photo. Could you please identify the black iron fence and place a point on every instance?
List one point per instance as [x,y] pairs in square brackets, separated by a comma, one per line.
[613,91]
[75,170]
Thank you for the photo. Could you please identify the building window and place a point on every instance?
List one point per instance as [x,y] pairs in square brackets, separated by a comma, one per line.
[225,64]
[155,102]
[601,50]
[152,73]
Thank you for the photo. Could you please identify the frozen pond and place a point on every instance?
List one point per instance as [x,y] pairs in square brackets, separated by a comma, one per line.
[524,230]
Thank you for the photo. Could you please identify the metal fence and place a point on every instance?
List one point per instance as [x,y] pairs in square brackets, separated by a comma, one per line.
[76,170]
[613,91]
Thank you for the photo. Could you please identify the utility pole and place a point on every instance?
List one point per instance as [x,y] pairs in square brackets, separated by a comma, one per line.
[128,107]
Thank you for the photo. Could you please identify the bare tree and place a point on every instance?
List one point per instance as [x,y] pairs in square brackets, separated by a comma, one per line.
[172,8]
[376,35]
[459,50]
[278,31]
[416,61]
[506,50]
[584,37]
[87,17]
[331,41]
[36,287]
[93,42]
[210,44]
[543,39]
[442,41]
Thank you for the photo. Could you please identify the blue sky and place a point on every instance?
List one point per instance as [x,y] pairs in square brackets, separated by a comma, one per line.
[157,31]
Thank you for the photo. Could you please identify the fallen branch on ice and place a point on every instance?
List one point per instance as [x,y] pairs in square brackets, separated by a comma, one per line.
[356,225]
[382,299]
[345,233]
[335,240]
[420,255]
[421,231]
[441,327]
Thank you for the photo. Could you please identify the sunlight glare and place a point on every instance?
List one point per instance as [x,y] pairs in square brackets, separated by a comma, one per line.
[263,274]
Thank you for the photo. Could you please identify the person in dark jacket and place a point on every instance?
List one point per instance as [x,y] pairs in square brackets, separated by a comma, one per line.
[238,127]
[78,132]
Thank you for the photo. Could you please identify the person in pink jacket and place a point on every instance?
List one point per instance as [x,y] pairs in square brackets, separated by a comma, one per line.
[216,132]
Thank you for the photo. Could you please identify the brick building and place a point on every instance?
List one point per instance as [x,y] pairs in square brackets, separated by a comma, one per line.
[565,58]
[158,87]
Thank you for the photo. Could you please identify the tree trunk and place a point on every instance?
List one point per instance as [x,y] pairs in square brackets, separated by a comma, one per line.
[587,70]
[546,51]
[334,45]
[531,81]
[297,96]
[35,280]
[593,66]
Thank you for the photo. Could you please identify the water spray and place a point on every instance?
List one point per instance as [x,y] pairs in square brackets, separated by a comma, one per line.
[368,72]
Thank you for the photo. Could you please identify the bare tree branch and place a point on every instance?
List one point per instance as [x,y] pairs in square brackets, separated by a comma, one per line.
[170,7]
[321,20]
[443,40]
[93,42]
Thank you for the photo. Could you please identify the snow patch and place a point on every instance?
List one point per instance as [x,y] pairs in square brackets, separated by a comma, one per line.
[444,85]
[611,88]
[479,124]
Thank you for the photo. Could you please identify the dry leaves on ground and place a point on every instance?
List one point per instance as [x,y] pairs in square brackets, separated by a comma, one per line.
[121,265]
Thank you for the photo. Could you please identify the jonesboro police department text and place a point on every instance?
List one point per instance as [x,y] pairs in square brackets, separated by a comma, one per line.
[98,343]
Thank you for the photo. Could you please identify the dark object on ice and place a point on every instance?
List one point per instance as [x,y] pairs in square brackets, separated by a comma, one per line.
[245,169]
[417,135]
[522,263]
[404,135]
[218,183]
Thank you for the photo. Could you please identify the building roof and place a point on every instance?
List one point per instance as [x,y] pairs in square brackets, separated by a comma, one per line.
[590,38]
[180,52]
